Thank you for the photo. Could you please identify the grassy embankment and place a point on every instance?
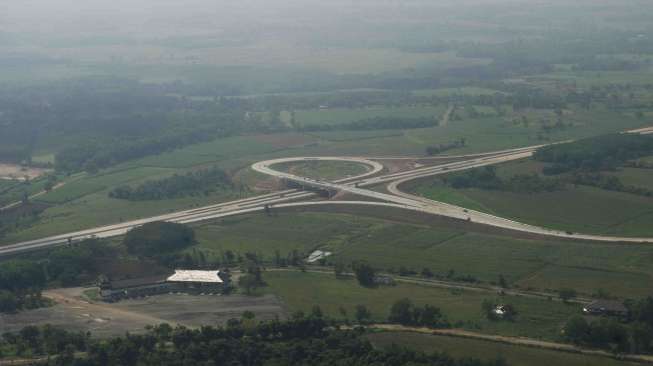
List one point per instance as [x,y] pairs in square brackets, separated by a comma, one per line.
[328,170]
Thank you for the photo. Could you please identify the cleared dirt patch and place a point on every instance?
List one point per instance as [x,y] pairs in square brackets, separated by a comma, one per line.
[11,171]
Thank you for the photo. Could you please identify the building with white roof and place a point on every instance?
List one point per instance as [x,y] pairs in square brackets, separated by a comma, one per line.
[183,275]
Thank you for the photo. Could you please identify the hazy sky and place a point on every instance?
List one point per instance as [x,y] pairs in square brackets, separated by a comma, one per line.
[165,18]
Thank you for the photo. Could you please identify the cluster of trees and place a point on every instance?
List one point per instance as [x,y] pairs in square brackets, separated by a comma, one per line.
[633,334]
[487,178]
[406,313]
[603,333]
[157,239]
[45,340]
[302,340]
[293,258]
[252,273]
[605,152]
[205,180]
[438,149]
[364,272]
[20,216]
[98,155]
[75,264]
[21,282]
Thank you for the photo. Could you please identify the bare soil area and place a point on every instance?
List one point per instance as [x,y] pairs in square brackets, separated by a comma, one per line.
[102,319]
[11,171]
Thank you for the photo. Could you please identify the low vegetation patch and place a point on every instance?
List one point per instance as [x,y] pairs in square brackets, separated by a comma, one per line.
[487,178]
[203,181]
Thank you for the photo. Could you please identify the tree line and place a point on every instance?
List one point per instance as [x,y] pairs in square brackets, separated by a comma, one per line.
[487,178]
[606,152]
[96,155]
[301,340]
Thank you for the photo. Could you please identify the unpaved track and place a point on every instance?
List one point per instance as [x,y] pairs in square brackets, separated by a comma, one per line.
[518,341]
[98,310]
[36,195]
[447,115]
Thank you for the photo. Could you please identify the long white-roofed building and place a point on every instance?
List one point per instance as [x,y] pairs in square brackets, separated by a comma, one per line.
[197,280]
[186,281]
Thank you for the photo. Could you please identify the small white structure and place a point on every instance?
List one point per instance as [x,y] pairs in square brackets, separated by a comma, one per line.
[500,311]
[317,255]
[182,275]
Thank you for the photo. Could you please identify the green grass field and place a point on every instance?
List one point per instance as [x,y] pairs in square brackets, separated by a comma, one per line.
[95,183]
[283,232]
[579,209]
[98,209]
[619,270]
[12,191]
[301,291]
[485,350]
[636,177]
[329,170]
[7,183]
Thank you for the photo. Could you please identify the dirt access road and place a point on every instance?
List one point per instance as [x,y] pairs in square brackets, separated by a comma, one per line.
[518,341]
[73,312]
